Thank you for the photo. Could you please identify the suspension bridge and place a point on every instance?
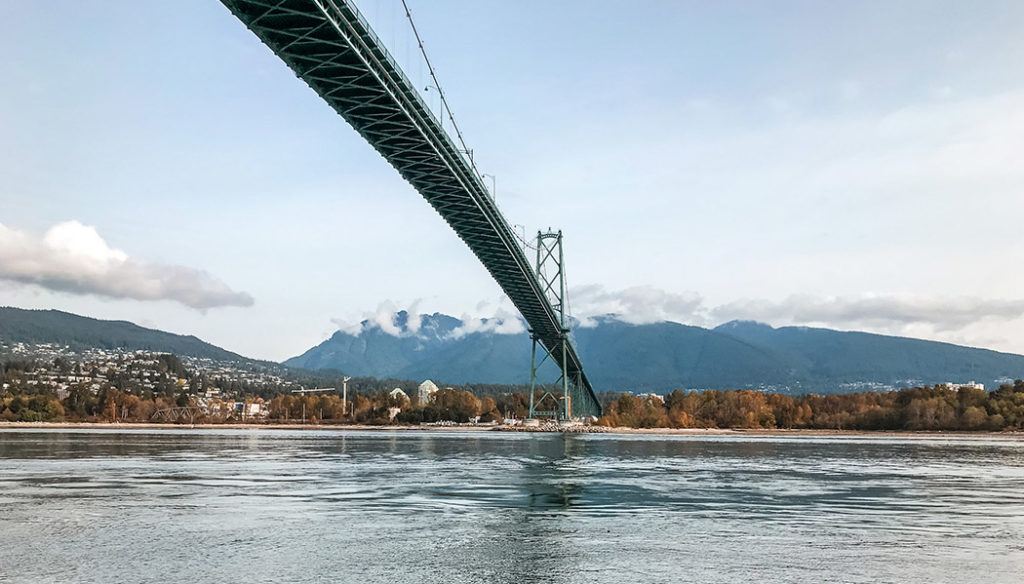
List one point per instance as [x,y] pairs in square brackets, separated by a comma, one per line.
[331,47]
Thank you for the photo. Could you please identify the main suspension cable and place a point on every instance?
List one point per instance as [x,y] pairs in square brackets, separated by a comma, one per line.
[437,85]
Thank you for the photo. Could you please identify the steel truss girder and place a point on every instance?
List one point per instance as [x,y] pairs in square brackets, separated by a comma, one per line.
[330,46]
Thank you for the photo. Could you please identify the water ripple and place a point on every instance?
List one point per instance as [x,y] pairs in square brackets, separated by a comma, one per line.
[285,506]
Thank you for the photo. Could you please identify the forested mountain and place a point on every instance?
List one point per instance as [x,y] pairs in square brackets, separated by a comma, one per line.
[618,357]
[853,356]
[665,356]
[18,325]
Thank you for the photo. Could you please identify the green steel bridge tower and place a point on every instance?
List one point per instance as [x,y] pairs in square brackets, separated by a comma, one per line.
[551,273]
[331,47]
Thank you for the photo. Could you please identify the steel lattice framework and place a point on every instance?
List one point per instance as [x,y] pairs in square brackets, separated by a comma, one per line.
[330,46]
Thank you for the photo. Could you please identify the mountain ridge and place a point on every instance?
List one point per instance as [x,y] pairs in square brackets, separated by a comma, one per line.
[666,355]
[619,356]
[38,326]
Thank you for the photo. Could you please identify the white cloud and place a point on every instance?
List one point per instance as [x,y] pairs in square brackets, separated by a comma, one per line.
[384,318]
[887,313]
[892,313]
[496,318]
[414,319]
[963,320]
[74,258]
[636,305]
[499,321]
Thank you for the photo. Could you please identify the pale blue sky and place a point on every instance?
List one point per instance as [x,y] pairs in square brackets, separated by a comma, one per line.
[851,164]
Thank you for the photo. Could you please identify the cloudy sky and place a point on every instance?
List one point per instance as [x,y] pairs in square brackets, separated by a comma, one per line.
[847,164]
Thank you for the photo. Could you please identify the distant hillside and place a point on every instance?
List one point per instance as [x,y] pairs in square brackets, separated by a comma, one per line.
[618,356]
[78,332]
[851,357]
[665,356]
[430,354]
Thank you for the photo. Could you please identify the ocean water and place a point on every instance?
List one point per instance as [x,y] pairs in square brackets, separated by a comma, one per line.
[214,506]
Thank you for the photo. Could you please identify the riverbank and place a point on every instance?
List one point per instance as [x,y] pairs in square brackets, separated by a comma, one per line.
[486,428]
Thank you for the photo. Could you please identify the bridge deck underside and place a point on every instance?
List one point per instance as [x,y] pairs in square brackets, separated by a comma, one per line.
[329,45]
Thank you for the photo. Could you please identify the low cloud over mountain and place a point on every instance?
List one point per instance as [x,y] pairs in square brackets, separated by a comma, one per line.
[661,356]
[499,318]
[944,314]
[635,305]
[961,320]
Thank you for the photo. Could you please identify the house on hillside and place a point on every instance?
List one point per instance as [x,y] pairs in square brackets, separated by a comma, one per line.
[968,385]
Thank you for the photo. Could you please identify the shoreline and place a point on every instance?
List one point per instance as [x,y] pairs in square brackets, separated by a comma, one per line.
[1014,435]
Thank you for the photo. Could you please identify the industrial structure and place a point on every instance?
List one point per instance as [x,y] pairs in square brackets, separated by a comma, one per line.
[331,47]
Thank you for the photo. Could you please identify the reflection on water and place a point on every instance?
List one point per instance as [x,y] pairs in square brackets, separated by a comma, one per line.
[300,506]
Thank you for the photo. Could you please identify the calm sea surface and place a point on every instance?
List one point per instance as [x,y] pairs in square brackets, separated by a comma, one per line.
[212,506]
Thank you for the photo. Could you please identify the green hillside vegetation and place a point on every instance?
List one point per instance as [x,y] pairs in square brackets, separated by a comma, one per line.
[18,325]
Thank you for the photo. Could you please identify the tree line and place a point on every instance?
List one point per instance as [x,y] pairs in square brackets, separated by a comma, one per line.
[113,405]
[935,408]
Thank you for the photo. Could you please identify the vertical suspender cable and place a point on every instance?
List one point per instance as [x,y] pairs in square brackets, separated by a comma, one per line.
[437,84]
